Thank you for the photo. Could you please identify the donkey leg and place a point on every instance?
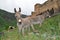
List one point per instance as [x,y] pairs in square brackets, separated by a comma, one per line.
[40,24]
[26,28]
[29,28]
[23,31]
[32,27]
[35,31]
[20,29]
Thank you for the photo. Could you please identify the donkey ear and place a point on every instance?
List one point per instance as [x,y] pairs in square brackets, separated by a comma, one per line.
[19,9]
[14,9]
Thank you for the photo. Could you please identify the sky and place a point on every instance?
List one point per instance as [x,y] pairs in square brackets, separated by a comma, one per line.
[27,6]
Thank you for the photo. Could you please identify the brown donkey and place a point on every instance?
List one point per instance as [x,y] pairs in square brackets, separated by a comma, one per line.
[22,23]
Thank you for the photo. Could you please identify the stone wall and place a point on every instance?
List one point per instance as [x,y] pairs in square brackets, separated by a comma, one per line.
[48,5]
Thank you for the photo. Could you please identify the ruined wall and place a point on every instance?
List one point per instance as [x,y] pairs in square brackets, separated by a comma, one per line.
[37,7]
[48,5]
[33,13]
[58,4]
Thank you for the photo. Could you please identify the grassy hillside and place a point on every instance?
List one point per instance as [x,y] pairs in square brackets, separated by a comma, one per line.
[6,19]
[50,30]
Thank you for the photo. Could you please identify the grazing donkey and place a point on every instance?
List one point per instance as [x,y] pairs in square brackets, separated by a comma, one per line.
[22,23]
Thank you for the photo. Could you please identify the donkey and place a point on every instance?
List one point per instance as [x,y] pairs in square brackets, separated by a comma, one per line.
[22,23]
[39,18]
[29,21]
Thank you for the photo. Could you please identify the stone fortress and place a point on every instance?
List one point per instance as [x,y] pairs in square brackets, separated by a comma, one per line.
[51,6]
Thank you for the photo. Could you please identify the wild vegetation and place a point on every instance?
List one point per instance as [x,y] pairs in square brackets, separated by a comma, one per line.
[6,19]
[50,29]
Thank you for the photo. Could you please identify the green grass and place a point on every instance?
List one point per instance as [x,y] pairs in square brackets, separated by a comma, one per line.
[50,30]
[6,19]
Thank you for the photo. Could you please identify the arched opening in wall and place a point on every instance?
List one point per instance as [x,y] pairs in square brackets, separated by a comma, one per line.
[48,11]
[59,9]
[51,0]
[39,14]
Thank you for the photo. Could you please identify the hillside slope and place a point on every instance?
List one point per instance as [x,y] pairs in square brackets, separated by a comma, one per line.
[6,19]
[50,30]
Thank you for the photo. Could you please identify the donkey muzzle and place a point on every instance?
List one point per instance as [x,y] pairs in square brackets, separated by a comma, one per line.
[20,22]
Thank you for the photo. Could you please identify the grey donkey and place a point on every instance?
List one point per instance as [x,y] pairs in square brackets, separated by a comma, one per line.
[39,19]
[23,23]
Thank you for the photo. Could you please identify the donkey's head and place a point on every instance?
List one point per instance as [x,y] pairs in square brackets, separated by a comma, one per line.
[45,15]
[18,15]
